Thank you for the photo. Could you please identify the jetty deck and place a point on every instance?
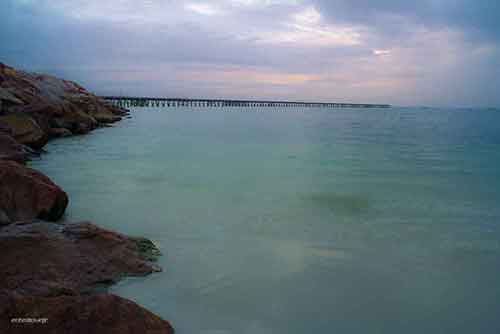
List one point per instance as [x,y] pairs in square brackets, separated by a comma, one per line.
[127,101]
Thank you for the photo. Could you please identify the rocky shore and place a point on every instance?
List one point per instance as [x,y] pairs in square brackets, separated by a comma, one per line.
[53,276]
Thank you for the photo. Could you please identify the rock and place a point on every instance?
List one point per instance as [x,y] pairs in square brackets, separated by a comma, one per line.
[7,99]
[101,313]
[147,249]
[5,129]
[75,121]
[12,150]
[27,194]
[25,130]
[106,117]
[50,103]
[48,270]
[4,219]
[59,132]
[41,112]
[116,110]
[63,115]
[67,259]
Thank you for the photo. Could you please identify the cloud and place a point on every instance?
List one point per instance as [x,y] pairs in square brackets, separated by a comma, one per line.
[202,8]
[305,28]
[237,74]
[430,52]
[474,18]
[380,52]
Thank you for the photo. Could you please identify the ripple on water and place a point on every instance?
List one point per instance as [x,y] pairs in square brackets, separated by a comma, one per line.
[319,221]
[341,203]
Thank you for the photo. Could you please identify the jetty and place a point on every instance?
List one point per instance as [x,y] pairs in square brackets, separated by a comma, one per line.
[127,101]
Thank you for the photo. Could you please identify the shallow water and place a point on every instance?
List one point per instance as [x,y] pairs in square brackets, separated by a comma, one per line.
[302,221]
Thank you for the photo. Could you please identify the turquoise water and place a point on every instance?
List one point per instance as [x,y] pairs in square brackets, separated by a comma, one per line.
[302,221]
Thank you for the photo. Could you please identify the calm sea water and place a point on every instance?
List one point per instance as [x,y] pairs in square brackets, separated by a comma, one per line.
[303,221]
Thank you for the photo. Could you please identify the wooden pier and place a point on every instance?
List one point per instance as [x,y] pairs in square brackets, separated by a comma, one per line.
[125,101]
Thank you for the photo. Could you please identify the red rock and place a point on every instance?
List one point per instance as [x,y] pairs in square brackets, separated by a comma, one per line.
[51,271]
[25,130]
[7,99]
[12,150]
[101,313]
[27,194]
[50,103]
[59,132]
[41,112]
[68,259]
[116,110]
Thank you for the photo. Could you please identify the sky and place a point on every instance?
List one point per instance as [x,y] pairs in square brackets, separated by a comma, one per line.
[427,52]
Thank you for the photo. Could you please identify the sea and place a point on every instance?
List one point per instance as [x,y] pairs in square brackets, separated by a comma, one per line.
[300,220]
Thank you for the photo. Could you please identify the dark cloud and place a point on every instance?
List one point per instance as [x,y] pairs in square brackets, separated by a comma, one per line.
[429,52]
[479,18]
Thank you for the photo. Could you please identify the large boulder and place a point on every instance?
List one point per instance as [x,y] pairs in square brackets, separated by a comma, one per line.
[69,259]
[25,130]
[59,132]
[60,273]
[62,115]
[47,102]
[12,150]
[41,112]
[7,100]
[100,313]
[115,109]
[75,120]
[104,116]
[27,194]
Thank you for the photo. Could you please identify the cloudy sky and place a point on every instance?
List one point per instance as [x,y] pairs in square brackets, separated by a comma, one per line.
[427,52]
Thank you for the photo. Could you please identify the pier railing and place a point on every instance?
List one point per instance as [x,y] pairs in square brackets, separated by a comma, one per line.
[125,101]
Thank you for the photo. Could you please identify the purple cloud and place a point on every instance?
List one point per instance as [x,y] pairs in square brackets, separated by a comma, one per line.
[390,51]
